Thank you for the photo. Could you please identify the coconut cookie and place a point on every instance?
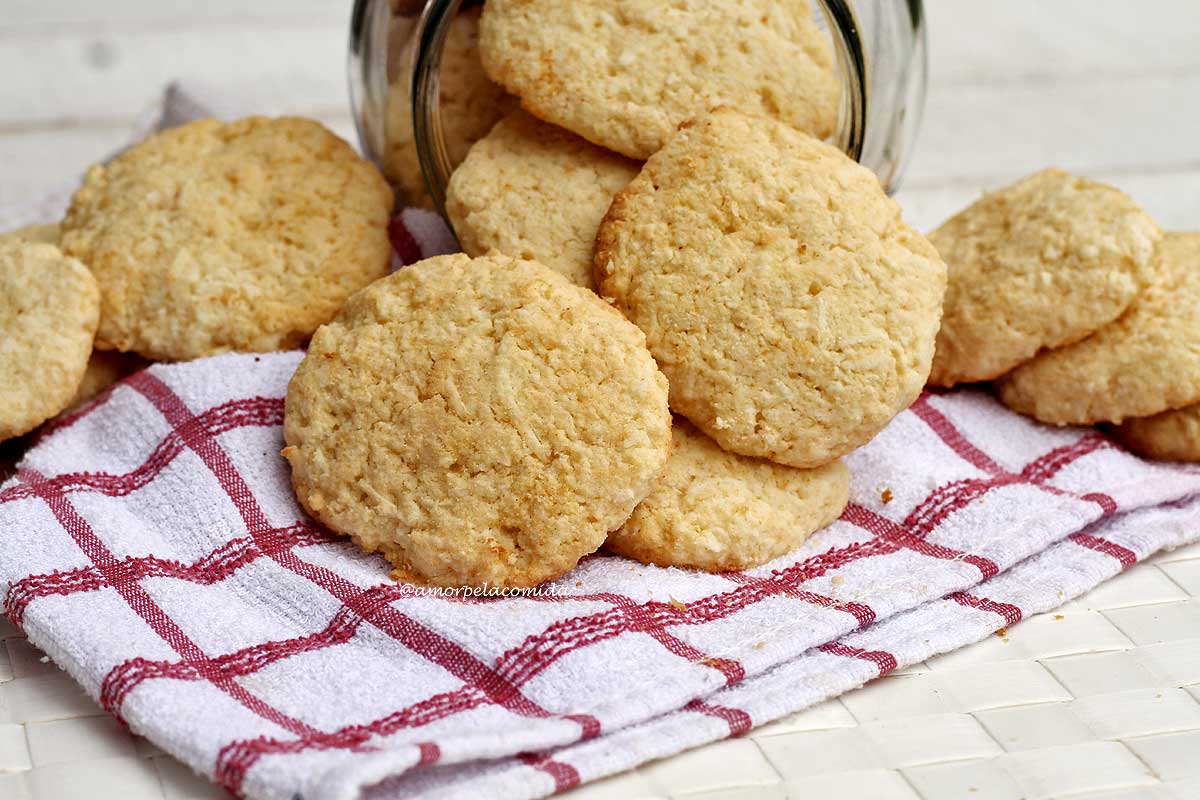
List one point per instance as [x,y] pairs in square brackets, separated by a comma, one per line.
[476,421]
[717,511]
[1040,264]
[216,236]
[105,368]
[1169,436]
[625,73]
[1144,363]
[469,105]
[49,309]
[791,309]
[533,190]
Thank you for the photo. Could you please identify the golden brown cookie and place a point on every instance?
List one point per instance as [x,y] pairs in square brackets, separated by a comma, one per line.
[718,511]
[104,368]
[216,236]
[792,310]
[469,104]
[476,421]
[533,190]
[49,309]
[1145,362]
[1039,264]
[625,73]
[1169,436]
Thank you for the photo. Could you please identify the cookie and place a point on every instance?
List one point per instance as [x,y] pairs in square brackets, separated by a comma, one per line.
[476,421]
[216,236]
[1169,436]
[625,73]
[469,104]
[104,368]
[792,310]
[1039,264]
[1145,362]
[39,234]
[49,309]
[533,190]
[717,511]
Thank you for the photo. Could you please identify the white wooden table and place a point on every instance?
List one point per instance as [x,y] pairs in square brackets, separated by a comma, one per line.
[1100,698]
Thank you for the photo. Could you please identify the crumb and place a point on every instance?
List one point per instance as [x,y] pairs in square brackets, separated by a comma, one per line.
[1002,633]
[678,606]
[578,583]
[1059,616]
[886,497]
[837,580]
[759,645]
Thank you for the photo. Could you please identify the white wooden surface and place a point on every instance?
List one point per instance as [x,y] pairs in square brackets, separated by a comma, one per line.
[1110,88]
[1098,699]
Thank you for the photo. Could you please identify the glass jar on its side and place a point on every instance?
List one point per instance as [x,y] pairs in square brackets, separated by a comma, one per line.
[402,50]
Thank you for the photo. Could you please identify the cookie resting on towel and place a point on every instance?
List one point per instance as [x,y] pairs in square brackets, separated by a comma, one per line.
[214,236]
[719,511]
[476,421]
[791,309]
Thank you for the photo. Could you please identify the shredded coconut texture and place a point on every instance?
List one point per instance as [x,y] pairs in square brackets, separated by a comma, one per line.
[1145,362]
[469,104]
[1039,264]
[213,236]
[476,421]
[625,73]
[718,511]
[49,309]
[533,190]
[791,309]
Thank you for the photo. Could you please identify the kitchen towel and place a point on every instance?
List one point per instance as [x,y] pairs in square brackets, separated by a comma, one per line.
[151,545]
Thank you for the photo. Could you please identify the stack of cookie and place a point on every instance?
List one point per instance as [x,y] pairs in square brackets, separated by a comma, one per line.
[469,104]
[491,420]
[207,238]
[678,308]
[1067,294]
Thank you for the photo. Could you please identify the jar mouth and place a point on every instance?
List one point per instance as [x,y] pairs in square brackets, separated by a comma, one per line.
[425,24]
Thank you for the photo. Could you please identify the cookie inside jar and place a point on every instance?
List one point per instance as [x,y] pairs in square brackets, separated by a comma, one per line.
[431,77]
[469,103]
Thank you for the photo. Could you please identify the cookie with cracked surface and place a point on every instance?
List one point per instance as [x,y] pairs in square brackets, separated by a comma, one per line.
[718,511]
[469,104]
[214,236]
[533,190]
[1169,436]
[790,307]
[1039,264]
[49,310]
[1143,363]
[476,421]
[625,73]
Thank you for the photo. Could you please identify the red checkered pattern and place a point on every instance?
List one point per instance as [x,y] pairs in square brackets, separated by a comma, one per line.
[152,546]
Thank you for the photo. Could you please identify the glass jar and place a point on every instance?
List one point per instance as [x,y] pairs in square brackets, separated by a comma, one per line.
[401,50]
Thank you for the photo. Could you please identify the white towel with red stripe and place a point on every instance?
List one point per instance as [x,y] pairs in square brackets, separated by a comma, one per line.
[151,545]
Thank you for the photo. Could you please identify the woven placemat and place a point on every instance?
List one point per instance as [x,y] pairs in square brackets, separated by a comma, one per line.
[1098,698]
